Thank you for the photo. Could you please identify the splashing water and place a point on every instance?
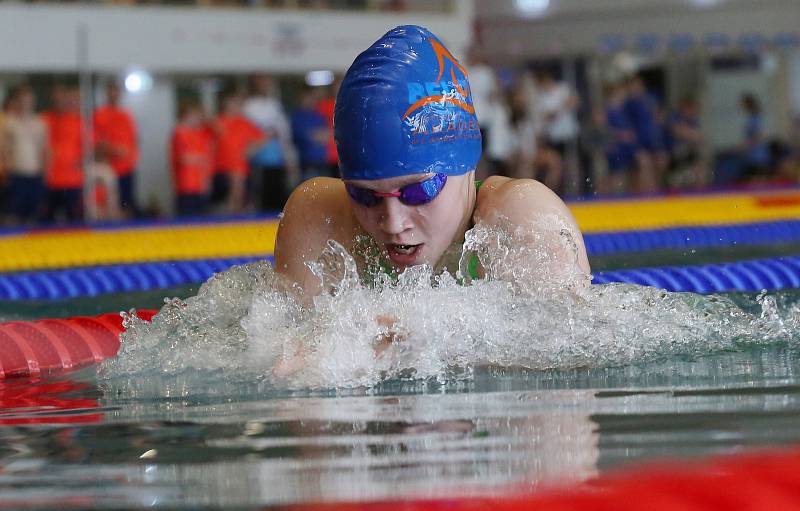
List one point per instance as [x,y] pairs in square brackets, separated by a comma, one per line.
[530,311]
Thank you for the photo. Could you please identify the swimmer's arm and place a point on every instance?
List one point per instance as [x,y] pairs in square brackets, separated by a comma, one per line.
[521,201]
[313,215]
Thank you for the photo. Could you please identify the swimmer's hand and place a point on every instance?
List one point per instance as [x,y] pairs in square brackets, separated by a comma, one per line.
[289,365]
[391,332]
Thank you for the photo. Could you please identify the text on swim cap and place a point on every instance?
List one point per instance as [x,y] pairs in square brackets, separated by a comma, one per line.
[419,90]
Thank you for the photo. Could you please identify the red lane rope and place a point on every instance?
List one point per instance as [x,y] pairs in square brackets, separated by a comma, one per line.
[46,346]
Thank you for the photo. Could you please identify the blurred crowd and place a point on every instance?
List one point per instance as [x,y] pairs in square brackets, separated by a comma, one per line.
[253,151]
[536,126]
[245,158]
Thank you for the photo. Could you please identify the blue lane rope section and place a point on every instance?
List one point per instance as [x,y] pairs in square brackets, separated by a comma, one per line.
[677,238]
[118,278]
[749,276]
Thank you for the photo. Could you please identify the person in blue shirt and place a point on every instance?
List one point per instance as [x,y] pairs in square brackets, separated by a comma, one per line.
[621,147]
[753,148]
[310,134]
[684,142]
[641,109]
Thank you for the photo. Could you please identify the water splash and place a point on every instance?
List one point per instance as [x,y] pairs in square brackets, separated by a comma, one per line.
[531,310]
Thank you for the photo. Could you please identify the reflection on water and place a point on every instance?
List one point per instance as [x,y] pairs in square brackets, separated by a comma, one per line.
[252,444]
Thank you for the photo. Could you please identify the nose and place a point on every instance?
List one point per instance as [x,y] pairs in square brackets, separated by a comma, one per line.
[394,217]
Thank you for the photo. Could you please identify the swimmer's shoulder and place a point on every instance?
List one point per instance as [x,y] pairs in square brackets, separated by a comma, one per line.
[520,202]
[318,210]
[516,199]
[319,198]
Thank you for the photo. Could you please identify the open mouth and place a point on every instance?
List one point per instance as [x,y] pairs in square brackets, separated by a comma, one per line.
[403,255]
[404,249]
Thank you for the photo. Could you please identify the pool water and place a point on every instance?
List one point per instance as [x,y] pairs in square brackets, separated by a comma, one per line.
[196,437]
[249,445]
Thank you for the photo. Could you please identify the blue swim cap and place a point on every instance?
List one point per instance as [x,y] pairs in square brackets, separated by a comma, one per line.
[405,107]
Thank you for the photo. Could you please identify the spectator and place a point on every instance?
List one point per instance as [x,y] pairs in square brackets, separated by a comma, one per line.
[556,106]
[310,134]
[524,138]
[685,144]
[790,165]
[621,148]
[25,156]
[274,163]
[64,175]
[596,141]
[5,198]
[105,183]
[237,138]
[326,106]
[753,148]
[528,157]
[115,137]
[192,155]
[502,145]
[483,87]
[641,108]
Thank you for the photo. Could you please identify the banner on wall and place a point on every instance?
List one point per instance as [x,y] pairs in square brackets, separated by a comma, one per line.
[713,42]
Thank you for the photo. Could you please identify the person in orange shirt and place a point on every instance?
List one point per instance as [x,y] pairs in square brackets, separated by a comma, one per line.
[237,138]
[64,177]
[192,155]
[115,136]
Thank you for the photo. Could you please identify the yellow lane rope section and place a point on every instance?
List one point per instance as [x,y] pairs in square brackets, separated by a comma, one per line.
[636,214]
[60,249]
[87,247]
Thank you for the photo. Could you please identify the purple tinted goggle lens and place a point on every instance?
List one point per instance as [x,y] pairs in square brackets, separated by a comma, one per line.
[415,194]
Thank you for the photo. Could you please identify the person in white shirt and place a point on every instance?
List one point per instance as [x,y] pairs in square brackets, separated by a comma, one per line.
[556,115]
[557,106]
[502,144]
[275,169]
[530,159]
[25,155]
[485,96]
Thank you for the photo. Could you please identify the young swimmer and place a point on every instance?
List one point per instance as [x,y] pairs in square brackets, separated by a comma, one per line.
[408,143]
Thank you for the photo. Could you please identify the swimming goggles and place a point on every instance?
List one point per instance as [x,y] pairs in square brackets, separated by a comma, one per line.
[415,194]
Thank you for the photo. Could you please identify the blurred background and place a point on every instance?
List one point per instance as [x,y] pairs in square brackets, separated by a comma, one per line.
[114,110]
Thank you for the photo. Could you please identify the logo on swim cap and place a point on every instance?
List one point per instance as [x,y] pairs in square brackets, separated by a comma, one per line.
[405,107]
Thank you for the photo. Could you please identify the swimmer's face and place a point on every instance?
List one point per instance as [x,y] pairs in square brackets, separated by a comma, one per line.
[413,235]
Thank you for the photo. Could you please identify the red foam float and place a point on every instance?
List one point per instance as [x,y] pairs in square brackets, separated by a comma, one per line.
[27,401]
[42,347]
[760,481]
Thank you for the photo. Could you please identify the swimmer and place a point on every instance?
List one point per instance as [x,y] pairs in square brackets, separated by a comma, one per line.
[408,143]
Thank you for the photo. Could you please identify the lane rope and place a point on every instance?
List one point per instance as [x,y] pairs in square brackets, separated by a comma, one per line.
[746,276]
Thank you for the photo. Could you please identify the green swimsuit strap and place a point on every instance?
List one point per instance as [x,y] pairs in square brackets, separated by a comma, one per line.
[472,267]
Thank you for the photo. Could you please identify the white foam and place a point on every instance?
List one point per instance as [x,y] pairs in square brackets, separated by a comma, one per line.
[531,311]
